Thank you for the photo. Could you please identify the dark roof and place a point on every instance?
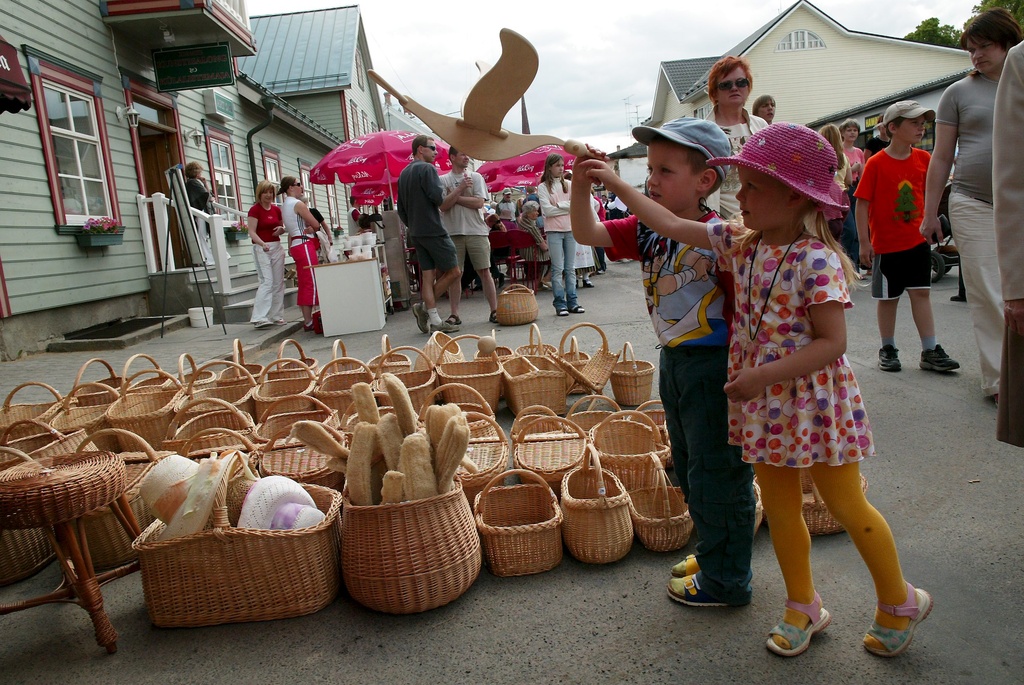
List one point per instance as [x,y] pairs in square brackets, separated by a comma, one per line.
[304,51]
[632,152]
[284,106]
[886,100]
[683,73]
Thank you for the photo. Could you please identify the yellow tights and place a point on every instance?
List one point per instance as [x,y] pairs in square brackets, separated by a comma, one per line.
[840,488]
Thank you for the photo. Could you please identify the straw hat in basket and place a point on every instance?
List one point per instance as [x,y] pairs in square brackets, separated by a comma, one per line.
[278,503]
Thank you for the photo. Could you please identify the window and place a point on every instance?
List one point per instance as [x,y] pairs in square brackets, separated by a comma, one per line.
[73,132]
[359,69]
[366,124]
[332,207]
[304,169]
[702,112]
[271,164]
[222,164]
[354,118]
[800,40]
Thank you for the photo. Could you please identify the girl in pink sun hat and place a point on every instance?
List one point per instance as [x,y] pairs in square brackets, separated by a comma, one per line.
[794,401]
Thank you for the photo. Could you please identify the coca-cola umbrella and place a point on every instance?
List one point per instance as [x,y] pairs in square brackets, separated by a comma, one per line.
[521,170]
[373,192]
[378,156]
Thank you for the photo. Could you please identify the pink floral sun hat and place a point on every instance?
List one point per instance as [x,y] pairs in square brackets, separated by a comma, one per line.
[797,157]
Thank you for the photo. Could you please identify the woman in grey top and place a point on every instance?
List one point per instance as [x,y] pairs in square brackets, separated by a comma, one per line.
[964,119]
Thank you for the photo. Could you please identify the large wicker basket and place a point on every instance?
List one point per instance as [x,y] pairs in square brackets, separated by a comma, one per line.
[410,557]
[281,378]
[661,518]
[23,553]
[292,459]
[517,305]
[293,365]
[632,379]
[234,385]
[596,525]
[94,395]
[533,380]
[550,447]
[590,371]
[73,415]
[334,385]
[483,374]
[488,449]
[197,417]
[43,411]
[626,440]
[234,575]
[520,525]
[420,382]
[145,408]
[36,438]
[590,410]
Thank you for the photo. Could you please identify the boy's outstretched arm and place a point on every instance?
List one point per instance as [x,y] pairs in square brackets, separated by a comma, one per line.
[654,216]
[586,229]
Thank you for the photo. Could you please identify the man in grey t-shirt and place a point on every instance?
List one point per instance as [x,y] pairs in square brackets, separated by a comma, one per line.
[465,225]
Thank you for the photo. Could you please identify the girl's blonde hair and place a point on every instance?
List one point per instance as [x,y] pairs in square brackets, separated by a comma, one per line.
[547,178]
[830,132]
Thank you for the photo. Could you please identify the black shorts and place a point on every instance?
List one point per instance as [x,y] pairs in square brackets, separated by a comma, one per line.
[894,272]
[435,252]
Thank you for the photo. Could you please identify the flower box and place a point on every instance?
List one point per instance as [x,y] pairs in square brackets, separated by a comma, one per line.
[99,239]
[235,236]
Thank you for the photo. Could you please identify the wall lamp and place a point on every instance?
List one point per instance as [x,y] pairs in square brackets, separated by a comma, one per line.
[196,136]
[131,114]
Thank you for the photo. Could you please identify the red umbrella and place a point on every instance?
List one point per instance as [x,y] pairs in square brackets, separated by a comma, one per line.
[373,192]
[522,170]
[378,156]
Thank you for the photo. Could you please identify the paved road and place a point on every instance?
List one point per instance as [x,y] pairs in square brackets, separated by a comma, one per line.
[951,494]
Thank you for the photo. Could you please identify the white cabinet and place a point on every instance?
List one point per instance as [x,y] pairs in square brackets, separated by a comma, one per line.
[351,300]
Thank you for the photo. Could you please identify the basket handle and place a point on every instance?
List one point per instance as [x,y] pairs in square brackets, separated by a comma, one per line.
[234,366]
[583,324]
[94,360]
[479,505]
[122,433]
[140,355]
[472,416]
[592,460]
[429,399]
[7,402]
[74,391]
[338,344]
[285,362]
[630,415]
[393,350]
[182,358]
[535,410]
[455,341]
[535,328]
[385,344]
[238,353]
[249,445]
[22,456]
[666,503]
[339,361]
[317,404]
[651,404]
[244,419]
[591,401]
[46,428]
[515,288]
[126,383]
[539,420]
[280,350]
[627,353]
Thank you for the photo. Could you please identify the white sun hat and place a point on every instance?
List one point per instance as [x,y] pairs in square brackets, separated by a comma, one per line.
[269,495]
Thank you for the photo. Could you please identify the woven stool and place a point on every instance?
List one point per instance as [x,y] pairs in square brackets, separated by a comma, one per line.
[55,493]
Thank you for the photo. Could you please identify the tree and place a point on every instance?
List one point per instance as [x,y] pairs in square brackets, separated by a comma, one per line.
[930,31]
[1016,7]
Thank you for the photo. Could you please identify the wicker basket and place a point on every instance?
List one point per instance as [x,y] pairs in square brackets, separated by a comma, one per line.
[488,449]
[233,575]
[292,459]
[655,411]
[758,507]
[238,357]
[661,518]
[94,395]
[154,365]
[483,374]
[30,435]
[23,553]
[626,440]
[109,544]
[533,380]
[43,411]
[819,520]
[520,525]
[517,305]
[410,557]
[419,382]
[593,369]
[536,347]
[293,366]
[550,447]
[334,385]
[596,525]
[528,414]
[466,396]
[286,411]
[586,412]
[632,379]
[235,385]
[145,408]
[269,389]
[440,349]
[91,417]
[394,363]
[194,378]
[208,413]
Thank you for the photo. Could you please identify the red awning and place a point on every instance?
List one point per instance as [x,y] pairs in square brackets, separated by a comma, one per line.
[15,95]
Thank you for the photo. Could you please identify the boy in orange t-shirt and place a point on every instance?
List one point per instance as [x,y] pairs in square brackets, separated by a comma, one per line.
[890,210]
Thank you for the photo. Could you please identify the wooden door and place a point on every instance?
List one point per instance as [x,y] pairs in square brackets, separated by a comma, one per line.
[159,152]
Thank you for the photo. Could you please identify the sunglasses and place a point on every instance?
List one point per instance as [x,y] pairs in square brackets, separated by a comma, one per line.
[432,147]
[740,83]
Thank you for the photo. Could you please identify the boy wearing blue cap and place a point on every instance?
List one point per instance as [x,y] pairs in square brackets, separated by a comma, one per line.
[688,301]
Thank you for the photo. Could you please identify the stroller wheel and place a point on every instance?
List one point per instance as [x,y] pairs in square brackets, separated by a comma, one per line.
[939,267]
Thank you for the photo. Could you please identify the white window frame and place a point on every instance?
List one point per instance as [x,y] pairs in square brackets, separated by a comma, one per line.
[800,39]
[77,137]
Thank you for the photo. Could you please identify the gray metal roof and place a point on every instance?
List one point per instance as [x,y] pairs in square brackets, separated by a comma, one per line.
[304,51]
[634,151]
[886,100]
[682,74]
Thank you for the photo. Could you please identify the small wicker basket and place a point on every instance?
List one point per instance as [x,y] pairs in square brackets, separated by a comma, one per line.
[596,526]
[488,449]
[626,440]
[586,412]
[520,525]
[517,305]
[632,379]
[533,380]
[550,447]
[43,411]
[594,368]
[661,518]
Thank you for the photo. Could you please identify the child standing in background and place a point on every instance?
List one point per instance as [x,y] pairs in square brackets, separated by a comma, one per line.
[795,403]
[688,306]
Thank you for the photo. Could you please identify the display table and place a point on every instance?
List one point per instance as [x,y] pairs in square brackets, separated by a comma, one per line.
[351,300]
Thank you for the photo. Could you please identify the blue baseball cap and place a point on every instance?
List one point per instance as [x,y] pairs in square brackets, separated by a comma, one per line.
[698,134]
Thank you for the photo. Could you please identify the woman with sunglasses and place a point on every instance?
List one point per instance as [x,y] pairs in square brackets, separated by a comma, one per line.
[729,85]
[301,226]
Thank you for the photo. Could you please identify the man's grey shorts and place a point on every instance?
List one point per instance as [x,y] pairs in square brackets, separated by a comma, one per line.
[435,252]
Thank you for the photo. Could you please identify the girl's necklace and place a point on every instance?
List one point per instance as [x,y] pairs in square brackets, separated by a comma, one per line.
[767,298]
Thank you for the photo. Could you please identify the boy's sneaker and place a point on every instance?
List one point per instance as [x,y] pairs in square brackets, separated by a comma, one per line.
[889,359]
[422,319]
[938,360]
[687,591]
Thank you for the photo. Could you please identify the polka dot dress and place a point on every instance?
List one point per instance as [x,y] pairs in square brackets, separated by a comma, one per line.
[819,417]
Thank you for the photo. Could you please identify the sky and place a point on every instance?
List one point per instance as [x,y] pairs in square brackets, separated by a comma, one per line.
[598,65]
